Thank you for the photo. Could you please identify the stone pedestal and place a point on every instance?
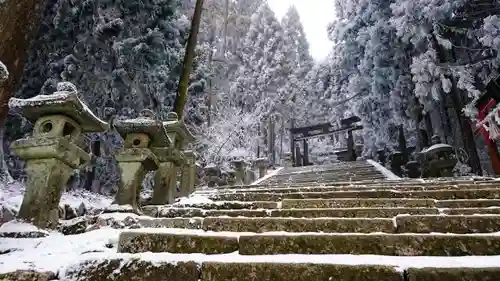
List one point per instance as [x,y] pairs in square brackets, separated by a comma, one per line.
[134,163]
[188,173]
[165,182]
[240,167]
[262,164]
[52,152]
[165,189]
[49,164]
[231,178]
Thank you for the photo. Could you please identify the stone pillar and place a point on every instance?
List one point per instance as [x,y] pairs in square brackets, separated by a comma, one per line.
[262,164]
[240,168]
[212,175]
[188,173]
[136,158]
[165,187]
[288,160]
[223,178]
[52,152]
[231,179]
[165,181]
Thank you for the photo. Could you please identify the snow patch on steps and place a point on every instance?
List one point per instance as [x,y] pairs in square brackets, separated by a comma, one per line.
[388,174]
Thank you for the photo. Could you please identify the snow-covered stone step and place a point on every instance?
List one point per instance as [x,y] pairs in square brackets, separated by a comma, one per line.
[260,225]
[385,182]
[225,205]
[388,202]
[356,202]
[337,178]
[152,267]
[319,188]
[198,241]
[398,224]
[374,212]
[485,193]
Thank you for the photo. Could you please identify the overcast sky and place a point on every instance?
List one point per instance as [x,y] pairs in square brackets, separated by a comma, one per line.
[315,16]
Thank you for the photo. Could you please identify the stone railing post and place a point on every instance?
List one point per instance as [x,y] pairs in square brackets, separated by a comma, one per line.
[212,175]
[240,167]
[52,152]
[262,164]
[188,173]
[136,158]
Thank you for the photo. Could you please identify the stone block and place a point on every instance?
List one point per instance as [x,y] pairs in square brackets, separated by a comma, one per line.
[158,242]
[471,211]
[27,275]
[468,203]
[448,224]
[213,271]
[357,203]
[187,223]
[371,244]
[169,212]
[351,212]
[453,274]
[260,225]
[127,269]
[228,205]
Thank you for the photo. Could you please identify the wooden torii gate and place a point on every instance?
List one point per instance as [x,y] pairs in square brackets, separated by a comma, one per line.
[348,125]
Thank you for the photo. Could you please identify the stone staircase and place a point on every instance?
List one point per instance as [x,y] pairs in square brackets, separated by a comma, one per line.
[351,226]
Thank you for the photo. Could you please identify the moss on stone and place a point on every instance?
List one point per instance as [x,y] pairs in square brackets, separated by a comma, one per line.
[453,274]
[471,211]
[371,244]
[489,193]
[260,225]
[356,203]
[468,203]
[296,271]
[132,270]
[448,224]
[188,223]
[27,275]
[140,242]
[352,212]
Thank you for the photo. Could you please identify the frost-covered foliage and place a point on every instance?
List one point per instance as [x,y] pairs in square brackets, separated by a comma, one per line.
[396,61]
[122,55]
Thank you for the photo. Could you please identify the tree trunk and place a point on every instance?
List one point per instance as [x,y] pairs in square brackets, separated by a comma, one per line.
[19,22]
[182,92]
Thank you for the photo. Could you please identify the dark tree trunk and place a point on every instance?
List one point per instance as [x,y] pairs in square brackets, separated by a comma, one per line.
[182,92]
[19,23]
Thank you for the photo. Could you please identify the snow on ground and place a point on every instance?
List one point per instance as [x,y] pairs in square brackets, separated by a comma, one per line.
[388,174]
[11,196]
[54,251]
[270,174]
[57,252]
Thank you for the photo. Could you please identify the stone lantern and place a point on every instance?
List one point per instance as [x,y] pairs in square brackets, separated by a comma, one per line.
[240,166]
[438,161]
[136,158]
[52,152]
[212,175]
[172,159]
